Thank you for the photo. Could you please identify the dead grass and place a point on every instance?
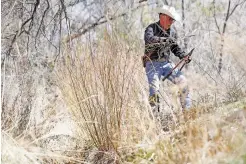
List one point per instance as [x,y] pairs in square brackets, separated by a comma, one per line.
[107,93]
[105,89]
[207,138]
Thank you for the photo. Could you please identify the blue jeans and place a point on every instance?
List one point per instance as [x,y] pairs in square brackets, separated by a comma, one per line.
[157,70]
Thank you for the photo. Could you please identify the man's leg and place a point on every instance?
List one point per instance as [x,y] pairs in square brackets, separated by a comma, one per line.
[179,79]
[153,74]
[184,93]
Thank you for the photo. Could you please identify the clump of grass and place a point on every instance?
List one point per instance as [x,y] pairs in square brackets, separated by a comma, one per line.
[105,94]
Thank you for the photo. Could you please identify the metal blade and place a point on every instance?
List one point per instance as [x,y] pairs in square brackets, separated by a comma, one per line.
[191,51]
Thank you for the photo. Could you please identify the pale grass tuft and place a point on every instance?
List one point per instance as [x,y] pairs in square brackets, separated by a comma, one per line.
[106,94]
[22,150]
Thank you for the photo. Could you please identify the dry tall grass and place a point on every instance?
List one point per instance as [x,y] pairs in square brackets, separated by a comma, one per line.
[107,93]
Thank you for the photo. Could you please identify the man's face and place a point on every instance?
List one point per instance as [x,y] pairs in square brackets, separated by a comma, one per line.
[166,21]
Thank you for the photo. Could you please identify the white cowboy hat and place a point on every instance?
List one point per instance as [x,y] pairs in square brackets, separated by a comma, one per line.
[170,11]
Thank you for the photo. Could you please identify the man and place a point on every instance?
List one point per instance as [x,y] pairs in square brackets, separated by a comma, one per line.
[160,39]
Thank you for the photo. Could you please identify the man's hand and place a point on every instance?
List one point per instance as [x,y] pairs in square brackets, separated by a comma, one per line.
[187,58]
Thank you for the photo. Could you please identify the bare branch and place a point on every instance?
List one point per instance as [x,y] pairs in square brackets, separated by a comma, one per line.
[166,2]
[66,17]
[42,19]
[97,23]
[232,11]
[93,26]
[60,33]
[141,1]
[29,19]
[227,16]
[22,30]
[214,15]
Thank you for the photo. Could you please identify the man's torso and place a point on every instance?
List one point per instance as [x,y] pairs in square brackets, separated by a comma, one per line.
[156,49]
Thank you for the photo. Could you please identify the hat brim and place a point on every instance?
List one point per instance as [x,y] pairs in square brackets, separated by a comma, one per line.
[174,15]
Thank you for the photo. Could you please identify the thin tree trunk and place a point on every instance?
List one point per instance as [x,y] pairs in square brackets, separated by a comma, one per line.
[183,18]
[165,2]
[222,33]
[222,36]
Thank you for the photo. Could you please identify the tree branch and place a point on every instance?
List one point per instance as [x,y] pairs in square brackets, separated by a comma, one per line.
[214,15]
[42,20]
[31,18]
[66,17]
[97,23]
[232,11]
[21,30]
[227,16]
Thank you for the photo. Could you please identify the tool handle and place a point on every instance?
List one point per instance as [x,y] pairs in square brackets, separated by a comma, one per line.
[172,70]
[189,54]
[182,67]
